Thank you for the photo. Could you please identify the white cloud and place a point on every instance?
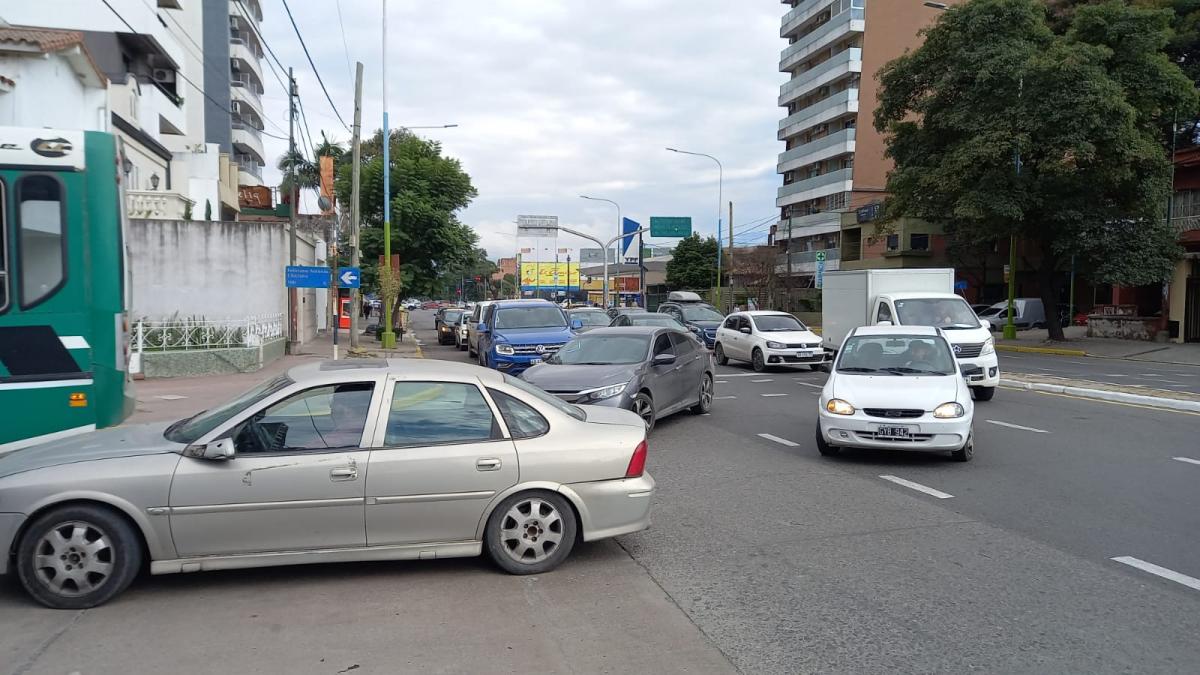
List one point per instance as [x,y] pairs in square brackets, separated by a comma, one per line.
[557,98]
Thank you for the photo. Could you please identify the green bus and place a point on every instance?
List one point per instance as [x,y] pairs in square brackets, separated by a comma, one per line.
[63,290]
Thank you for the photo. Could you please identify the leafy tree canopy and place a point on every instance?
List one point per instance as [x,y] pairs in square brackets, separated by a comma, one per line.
[694,263]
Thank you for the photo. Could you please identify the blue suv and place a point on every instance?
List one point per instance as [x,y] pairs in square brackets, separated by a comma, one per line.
[516,334]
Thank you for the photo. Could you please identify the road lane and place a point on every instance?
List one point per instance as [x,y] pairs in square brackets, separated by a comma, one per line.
[1152,375]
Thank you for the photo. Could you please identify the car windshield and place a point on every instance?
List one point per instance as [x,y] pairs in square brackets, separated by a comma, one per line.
[654,320]
[700,313]
[189,429]
[774,323]
[591,318]
[603,350]
[896,355]
[947,313]
[991,311]
[530,317]
[549,399]
[452,316]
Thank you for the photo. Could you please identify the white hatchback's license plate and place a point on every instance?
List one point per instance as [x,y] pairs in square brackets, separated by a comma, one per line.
[903,433]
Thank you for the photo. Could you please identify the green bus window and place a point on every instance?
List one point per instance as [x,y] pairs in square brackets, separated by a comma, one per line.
[3,248]
[41,243]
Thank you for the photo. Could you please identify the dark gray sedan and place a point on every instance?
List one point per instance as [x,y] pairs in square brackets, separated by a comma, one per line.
[654,371]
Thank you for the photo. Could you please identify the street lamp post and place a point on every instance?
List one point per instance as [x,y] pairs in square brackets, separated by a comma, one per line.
[616,257]
[720,200]
[388,337]
[603,245]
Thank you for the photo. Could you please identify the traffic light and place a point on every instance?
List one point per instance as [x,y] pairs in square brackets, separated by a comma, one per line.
[460,291]
[478,278]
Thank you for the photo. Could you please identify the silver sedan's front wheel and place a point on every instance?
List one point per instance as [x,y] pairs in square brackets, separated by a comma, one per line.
[530,533]
[78,557]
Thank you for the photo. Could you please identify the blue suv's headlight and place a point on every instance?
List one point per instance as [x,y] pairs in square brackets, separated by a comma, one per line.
[505,350]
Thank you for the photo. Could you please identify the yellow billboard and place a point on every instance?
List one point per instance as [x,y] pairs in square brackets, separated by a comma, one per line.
[549,275]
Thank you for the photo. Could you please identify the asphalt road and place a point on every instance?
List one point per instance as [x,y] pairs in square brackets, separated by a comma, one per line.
[791,562]
[1167,376]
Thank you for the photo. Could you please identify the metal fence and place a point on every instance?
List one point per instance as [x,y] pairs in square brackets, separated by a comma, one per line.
[199,333]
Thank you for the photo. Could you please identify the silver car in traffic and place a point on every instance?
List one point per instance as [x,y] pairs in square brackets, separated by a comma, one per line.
[330,462]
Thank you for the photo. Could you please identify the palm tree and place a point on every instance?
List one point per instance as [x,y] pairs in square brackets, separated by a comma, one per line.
[307,175]
[329,148]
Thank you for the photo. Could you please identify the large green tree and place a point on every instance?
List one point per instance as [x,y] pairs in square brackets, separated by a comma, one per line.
[999,125]
[694,263]
[428,189]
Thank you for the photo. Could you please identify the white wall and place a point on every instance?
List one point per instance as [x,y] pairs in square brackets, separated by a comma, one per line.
[41,79]
[197,176]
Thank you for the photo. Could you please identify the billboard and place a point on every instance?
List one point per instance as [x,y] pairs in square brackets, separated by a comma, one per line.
[549,276]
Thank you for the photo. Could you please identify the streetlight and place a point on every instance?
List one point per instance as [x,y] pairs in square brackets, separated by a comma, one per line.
[388,337]
[720,197]
[617,257]
[603,246]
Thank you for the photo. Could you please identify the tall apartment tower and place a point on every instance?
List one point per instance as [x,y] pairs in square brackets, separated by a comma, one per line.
[833,159]
[234,28]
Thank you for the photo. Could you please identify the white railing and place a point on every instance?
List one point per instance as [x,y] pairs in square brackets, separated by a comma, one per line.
[199,333]
[156,205]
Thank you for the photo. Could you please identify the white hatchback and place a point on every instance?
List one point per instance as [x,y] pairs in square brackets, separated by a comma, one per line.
[896,388]
[767,338]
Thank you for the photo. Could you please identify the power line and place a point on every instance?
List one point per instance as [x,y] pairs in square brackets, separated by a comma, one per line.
[313,65]
[185,77]
[345,46]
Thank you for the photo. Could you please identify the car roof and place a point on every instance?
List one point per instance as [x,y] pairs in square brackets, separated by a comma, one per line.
[435,368]
[523,301]
[914,295]
[923,331]
[763,312]
[587,309]
[630,330]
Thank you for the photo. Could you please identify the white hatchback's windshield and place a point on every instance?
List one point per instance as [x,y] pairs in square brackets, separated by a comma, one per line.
[530,317]
[896,355]
[945,313]
[773,323]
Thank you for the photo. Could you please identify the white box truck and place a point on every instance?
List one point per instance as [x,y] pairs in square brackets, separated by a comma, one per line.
[911,297]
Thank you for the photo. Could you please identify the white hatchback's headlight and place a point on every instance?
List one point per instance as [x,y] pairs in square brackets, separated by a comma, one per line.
[839,407]
[505,350]
[776,345]
[608,392]
[989,347]
[949,411]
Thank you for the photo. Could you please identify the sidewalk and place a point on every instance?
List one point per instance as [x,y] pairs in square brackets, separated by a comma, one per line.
[172,398]
[1078,344]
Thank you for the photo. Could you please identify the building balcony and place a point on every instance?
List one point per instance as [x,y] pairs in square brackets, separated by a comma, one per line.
[825,222]
[826,147]
[824,185]
[821,112]
[248,141]
[251,7]
[161,112]
[835,29]
[840,65]
[155,205]
[805,262]
[246,108]
[799,15]
[245,59]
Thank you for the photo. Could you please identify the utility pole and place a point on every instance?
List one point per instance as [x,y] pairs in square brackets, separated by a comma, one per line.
[355,208]
[293,293]
[387,336]
[1010,328]
[731,275]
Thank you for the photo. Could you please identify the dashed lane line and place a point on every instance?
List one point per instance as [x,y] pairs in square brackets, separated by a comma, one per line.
[1017,426]
[810,384]
[781,441]
[918,487]
[725,398]
[1171,575]
[1187,460]
[761,381]
[772,395]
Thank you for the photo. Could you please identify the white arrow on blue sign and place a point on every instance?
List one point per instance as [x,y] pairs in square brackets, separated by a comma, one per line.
[349,277]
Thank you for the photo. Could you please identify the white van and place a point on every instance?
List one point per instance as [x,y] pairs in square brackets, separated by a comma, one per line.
[911,297]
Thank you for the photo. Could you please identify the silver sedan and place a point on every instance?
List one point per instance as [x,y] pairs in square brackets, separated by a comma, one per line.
[332,462]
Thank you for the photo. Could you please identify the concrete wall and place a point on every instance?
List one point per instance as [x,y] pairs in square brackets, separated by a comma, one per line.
[40,79]
[1122,327]
[215,270]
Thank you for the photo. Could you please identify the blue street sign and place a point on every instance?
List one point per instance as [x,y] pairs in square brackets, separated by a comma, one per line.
[628,226]
[349,277]
[304,276]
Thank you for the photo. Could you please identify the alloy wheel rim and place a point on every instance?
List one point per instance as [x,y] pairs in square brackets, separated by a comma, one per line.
[758,361]
[531,531]
[74,558]
[706,393]
[644,410]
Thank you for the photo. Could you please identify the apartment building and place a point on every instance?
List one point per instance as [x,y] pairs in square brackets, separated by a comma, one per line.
[833,162]
[234,30]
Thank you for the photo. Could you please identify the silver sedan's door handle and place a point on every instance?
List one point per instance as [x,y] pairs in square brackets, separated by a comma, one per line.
[487,464]
[343,474]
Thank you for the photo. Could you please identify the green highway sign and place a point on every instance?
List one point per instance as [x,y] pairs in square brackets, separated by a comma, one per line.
[670,227]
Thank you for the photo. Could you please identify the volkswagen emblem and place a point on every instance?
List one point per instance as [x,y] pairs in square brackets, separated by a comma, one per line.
[957,349]
[541,349]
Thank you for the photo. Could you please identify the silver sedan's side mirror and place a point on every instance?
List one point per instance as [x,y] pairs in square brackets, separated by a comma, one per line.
[220,450]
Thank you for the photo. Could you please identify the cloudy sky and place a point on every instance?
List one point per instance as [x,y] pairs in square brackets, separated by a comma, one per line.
[558,98]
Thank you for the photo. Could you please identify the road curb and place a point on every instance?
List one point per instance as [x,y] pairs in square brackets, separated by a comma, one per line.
[1104,395]
[1040,350]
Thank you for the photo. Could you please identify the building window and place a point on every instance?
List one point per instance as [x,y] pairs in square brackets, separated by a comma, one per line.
[40,232]
[848,163]
[837,201]
[893,242]
[918,242]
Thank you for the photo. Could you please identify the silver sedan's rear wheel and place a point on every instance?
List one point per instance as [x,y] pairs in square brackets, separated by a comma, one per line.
[531,532]
[78,557]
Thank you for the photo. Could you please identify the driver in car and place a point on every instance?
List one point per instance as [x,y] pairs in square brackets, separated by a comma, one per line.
[920,354]
[346,412]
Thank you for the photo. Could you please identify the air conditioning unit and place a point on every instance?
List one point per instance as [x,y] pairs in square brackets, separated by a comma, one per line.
[235,107]
[163,75]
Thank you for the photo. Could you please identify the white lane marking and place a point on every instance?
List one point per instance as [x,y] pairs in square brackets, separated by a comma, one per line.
[737,375]
[1189,460]
[772,395]
[1113,375]
[719,398]
[761,381]
[1151,375]
[1080,363]
[73,341]
[1190,582]
[781,441]
[809,384]
[171,397]
[715,382]
[1017,426]
[918,487]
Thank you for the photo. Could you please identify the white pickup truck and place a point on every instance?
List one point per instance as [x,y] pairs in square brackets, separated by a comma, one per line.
[911,297]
